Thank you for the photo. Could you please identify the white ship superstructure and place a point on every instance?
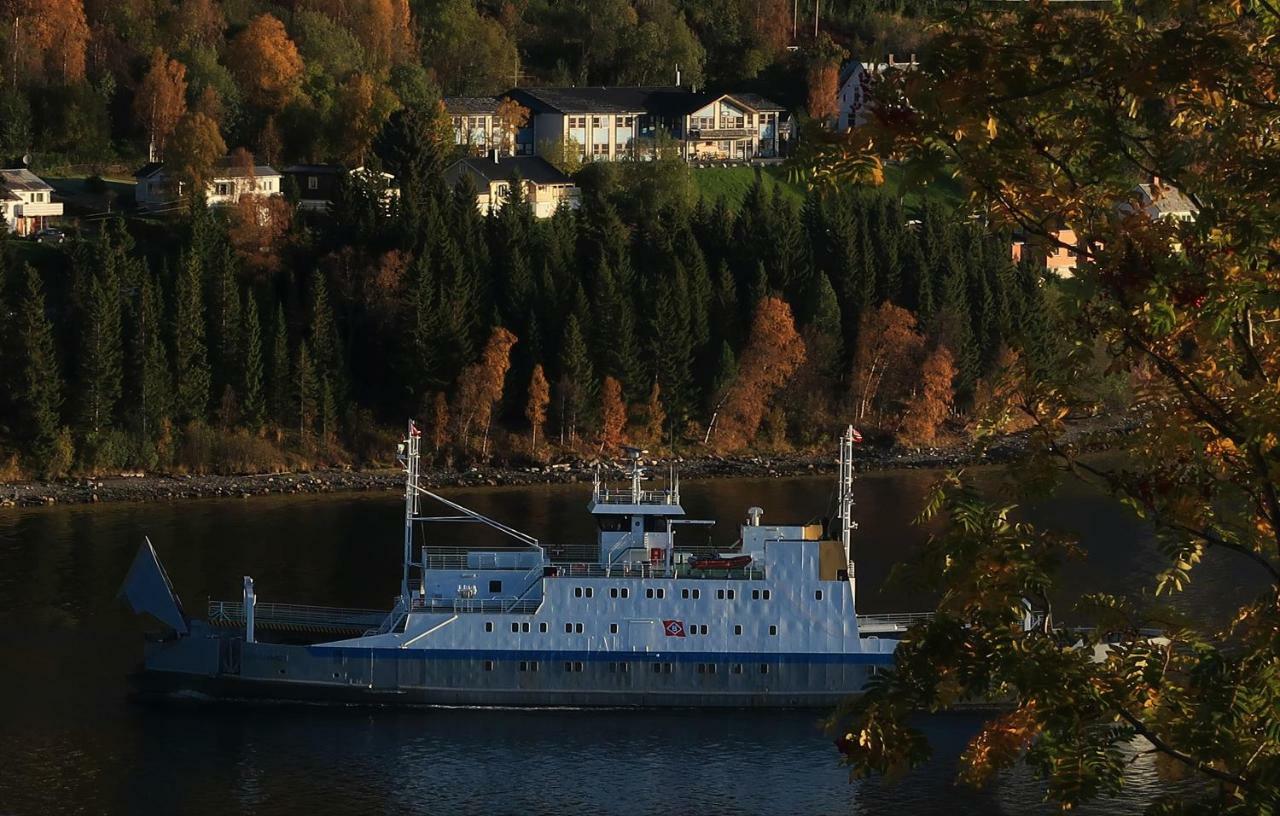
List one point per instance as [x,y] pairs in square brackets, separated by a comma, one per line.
[771,622]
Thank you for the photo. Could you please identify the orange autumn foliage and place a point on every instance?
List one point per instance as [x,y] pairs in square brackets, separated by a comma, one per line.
[773,353]
[885,362]
[824,81]
[265,62]
[932,403]
[480,385]
[52,38]
[539,397]
[613,415]
[161,99]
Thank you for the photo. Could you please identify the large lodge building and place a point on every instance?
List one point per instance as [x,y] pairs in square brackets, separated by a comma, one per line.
[612,124]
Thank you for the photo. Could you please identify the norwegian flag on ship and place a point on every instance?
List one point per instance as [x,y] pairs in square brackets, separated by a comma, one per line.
[856,436]
[413,429]
[673,628]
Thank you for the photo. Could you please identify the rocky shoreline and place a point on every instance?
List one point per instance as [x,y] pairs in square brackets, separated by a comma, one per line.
[143,488]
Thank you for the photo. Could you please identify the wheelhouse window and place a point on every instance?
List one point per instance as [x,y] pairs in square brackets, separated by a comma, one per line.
[495,586]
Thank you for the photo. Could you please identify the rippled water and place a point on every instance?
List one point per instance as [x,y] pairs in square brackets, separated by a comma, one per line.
[72,742]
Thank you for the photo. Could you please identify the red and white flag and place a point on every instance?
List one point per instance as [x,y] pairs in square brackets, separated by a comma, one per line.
[673,628]
[413,429]
[857,437]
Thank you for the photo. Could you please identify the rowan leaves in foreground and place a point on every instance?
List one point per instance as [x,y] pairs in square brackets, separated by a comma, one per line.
[1051,117]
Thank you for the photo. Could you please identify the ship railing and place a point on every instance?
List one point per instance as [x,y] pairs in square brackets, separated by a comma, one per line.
[645,569]
[892,622]
[458,558]
[624,495]
[513,606]
[272,615]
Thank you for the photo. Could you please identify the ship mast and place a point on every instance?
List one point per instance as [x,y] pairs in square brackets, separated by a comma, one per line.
[409,456]
[847,524]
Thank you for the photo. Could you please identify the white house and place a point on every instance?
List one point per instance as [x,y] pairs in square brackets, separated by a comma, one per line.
[317,184]
[545,187]
[155,189]
[853,99]
[26,201]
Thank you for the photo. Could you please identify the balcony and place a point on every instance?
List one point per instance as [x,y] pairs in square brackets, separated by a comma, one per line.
[45,208]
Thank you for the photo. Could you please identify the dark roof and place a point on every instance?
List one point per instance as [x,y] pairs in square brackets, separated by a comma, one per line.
[148,169]
[315,169]
[531,168]
[660,100]
[230,167]
[471,104]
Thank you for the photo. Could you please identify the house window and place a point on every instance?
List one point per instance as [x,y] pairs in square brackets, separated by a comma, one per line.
[597,121]
[495,586]
[577,122]
[504,190]
[598,149]
[313,183]
[222,188]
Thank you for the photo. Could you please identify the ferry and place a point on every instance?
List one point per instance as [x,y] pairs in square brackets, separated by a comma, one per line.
[770,623]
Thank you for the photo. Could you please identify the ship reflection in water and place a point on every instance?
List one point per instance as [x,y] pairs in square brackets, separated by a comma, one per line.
[71,742]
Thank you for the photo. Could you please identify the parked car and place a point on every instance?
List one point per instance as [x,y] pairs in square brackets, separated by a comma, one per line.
[49,235]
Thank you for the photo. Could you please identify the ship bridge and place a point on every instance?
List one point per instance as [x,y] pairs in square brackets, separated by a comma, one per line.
[636,524]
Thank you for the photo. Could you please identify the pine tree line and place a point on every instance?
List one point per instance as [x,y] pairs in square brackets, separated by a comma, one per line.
[360,327]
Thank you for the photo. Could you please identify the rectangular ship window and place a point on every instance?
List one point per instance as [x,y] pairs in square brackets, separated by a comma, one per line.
[666,668]
[657,668]
[524,627]
[817,595]
[662,593]
[702,668]
[613,628]
[524,665]
[648,593]
[542,627]
[737,668]
[613,592]
[588,592]
[766,594]
[737,629]
[568,666]
[730,594]
[711,668]
[577,666]
[568,628]
[577,592]
[704,628]
[626,592]
[488,665]
[764,668]
[488,626]
[684,593]
[773,630]
[515,627]
[755,594]
[719,594]
[578,628]
[696,593]
[495,586]
[533,666]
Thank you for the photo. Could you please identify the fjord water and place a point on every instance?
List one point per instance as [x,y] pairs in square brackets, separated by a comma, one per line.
[71,741]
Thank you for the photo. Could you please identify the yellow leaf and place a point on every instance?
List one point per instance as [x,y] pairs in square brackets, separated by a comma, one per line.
[991,126]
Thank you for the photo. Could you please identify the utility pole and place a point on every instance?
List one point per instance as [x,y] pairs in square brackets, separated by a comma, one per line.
[795,20]
[815,18]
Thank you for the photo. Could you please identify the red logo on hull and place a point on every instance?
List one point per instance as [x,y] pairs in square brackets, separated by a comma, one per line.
[673,628]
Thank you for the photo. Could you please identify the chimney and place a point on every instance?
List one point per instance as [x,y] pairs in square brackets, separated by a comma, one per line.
[891,60]
[495,155]
[677,75]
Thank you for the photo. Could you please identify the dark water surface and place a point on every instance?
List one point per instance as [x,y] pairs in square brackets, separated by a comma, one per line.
[72,742]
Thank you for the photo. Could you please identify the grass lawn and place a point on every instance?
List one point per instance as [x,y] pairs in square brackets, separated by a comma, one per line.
[732,183]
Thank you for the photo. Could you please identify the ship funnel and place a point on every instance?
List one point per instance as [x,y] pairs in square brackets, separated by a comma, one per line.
[753,516]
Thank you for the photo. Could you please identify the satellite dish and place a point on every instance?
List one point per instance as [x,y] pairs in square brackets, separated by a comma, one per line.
[26,159]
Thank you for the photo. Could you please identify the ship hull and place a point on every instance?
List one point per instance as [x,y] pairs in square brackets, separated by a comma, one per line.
[223,668]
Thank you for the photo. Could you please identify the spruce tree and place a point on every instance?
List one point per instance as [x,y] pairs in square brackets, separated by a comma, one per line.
[151,376]
[326,346]
[191,360]
[577,382]
[224,326]
[252,367]
[305,394]
[41,386]
[101,352]
[281,384]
